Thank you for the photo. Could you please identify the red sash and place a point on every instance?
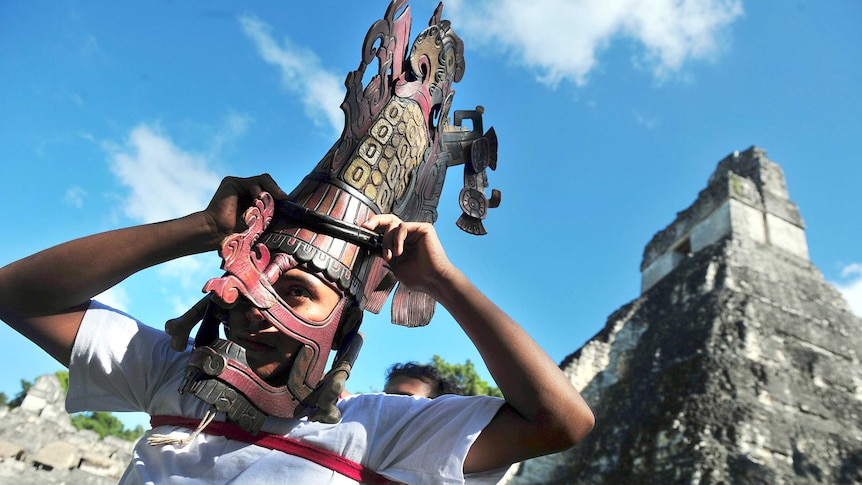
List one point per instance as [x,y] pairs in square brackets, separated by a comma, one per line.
[324,458]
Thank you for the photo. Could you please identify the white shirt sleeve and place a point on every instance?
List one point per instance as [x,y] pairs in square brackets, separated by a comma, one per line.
[119,364]
[418,440]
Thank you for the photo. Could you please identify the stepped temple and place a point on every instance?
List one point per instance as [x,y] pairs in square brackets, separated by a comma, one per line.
[737,364]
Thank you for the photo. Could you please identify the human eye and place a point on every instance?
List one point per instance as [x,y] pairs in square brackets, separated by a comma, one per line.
[307,295]
[294,292]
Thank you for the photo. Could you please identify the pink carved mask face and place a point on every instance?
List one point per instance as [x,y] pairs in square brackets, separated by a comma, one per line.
[269,350]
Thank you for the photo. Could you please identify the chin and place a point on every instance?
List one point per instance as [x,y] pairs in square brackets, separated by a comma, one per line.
[264,370]
[271,373]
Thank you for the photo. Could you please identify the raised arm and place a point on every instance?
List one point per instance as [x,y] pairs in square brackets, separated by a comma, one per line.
[44,296]
[543,413]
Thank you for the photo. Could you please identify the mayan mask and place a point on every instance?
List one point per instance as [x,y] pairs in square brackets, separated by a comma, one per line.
[392,157]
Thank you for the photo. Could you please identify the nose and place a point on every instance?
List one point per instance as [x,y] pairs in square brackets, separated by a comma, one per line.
[257,322]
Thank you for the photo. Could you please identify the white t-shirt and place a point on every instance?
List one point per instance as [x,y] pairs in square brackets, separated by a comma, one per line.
[119,364]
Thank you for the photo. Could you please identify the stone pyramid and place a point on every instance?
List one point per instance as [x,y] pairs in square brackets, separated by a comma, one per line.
[737,364]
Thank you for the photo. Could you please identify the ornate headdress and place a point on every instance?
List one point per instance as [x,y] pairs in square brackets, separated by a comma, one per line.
[392,157]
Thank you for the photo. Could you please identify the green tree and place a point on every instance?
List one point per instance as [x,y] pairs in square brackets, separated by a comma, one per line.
[19,398]
[133,434]
[106,424]
[63,377]
[466,376]
[4,399]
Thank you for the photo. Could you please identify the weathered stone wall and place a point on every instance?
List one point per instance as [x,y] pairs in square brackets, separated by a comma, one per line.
[734,369]
[740,365]
[39,445]
[746,198]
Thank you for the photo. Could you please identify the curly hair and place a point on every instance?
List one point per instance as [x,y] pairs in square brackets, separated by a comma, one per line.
[428,374]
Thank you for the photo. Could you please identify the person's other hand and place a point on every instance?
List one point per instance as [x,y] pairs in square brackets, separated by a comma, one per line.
[413,251]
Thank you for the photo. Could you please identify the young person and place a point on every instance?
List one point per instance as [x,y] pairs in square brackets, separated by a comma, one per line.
[299,271]
[118,364]
[414,379]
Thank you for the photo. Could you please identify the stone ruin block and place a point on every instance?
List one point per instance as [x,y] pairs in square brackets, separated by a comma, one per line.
[58,455]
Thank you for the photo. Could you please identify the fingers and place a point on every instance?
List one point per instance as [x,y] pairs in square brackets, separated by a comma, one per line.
[383,221]
[253,186]
[233,196]
[394,239]
[267,183]
[394,231]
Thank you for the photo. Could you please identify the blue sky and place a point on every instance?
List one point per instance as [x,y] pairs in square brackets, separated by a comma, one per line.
[611,116]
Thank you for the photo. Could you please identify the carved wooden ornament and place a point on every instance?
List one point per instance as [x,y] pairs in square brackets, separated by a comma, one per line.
[391,157]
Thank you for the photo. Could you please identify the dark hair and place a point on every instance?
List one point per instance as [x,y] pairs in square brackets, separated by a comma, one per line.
[426,373]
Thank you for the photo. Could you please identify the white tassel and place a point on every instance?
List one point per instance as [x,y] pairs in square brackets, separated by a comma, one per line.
[164,439]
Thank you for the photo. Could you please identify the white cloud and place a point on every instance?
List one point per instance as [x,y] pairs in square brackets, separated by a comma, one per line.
[165,181]
[321,91]
[852,269]
[75,196]
[115,297]
[180,304]
[852,288]
[235,125]
[562,39]
[89,47]
[189,272]
[647,121]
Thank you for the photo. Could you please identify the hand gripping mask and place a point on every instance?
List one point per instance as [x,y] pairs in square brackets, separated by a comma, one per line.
[392,157]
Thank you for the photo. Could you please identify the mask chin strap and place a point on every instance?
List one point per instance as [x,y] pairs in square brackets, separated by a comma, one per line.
[333,384]
[219,375]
